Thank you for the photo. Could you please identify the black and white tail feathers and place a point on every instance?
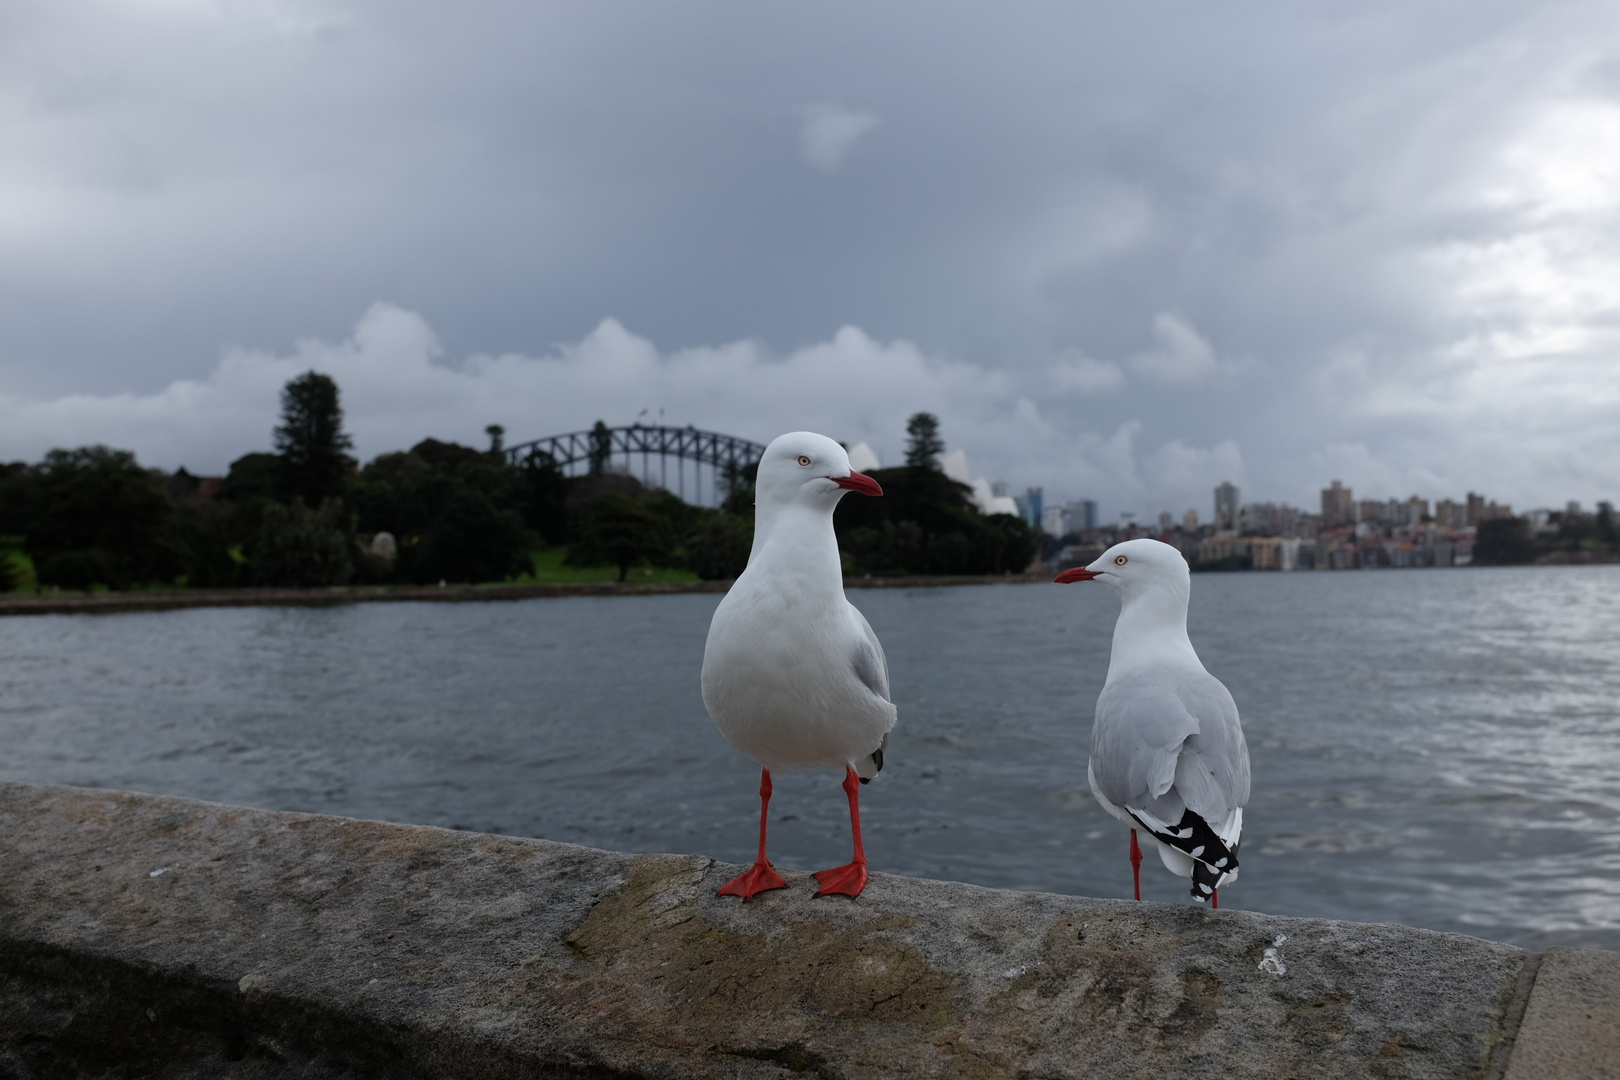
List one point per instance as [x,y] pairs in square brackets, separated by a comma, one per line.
[869,766]
[1211,858]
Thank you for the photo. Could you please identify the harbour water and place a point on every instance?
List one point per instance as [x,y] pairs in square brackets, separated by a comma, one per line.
[1438,748]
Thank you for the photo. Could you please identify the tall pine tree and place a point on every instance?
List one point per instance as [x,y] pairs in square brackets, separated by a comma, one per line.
[313,447]
[923,444]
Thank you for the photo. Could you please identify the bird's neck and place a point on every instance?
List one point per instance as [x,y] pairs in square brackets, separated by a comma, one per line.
[797,542]
[1152,633]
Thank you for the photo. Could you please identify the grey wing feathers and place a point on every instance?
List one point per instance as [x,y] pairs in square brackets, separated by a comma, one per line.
[872,669]
[871,666]
[1172,755]
[1166,748]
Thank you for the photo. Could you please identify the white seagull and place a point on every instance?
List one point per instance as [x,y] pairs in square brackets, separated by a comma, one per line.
[792,673]
[1167,751]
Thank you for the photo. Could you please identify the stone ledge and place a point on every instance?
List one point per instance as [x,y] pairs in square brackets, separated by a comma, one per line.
[1571,1024]
[145,935]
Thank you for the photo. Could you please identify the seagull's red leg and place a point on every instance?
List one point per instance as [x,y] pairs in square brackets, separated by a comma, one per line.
[1136,865]
[759,877]
[1214,899]
[849,879]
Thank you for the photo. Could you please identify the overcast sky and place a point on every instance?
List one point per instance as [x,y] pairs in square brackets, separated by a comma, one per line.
[1125,251]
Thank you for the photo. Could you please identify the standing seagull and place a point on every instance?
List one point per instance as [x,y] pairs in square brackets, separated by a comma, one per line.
[792,673]
[1167,752]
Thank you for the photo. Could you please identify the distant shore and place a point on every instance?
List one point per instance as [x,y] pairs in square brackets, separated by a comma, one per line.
[110,603]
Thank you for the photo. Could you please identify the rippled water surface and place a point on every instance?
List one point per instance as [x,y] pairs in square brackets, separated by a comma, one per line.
[1439,748]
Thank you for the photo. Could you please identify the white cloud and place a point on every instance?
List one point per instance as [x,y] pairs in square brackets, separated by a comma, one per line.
[398,388]
[1182,355]
[828,133]
[1076,372]
[1176,466]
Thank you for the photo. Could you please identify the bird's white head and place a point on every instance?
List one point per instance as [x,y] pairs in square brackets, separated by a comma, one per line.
[1135,568]
[808,469]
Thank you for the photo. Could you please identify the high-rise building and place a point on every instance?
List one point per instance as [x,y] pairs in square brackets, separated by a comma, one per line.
[1255,519]
[1338,506]
[1052,523]
[1449,514]
[1079,516]
[1029,506]
[1226,506]
[1476,509]
[1167,521]
[1189,521]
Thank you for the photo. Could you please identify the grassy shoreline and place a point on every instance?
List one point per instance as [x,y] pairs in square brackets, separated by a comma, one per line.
[109,603]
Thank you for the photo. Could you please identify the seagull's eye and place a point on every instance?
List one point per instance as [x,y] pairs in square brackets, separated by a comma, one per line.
[804,461]
[1120,560]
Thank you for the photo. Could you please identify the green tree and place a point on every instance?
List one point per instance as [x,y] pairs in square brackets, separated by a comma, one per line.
[303,548]
[719,550]
[923,444]
[926,523]
[252,476]
[1503,542]
[315,464]
[471,541]
[737,487]
[100,507]
[620,531]
[544,499]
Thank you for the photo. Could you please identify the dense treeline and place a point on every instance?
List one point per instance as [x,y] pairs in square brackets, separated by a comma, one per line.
[308,515]
[1570,536]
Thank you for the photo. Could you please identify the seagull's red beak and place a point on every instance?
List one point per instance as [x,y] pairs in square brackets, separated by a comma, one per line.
[857,482]
[1073,574]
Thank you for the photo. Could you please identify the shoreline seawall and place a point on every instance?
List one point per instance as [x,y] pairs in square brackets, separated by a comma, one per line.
[151,935]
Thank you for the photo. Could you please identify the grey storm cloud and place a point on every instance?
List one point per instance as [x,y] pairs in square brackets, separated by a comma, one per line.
[1125,251]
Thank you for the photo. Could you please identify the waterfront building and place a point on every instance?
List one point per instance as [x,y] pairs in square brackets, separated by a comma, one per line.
[1221,546]
[1079,516]
[1274,552]
[1338,506]
[1189,521]
[1255,519]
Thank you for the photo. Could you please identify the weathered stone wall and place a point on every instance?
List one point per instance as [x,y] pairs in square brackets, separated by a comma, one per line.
[151,936]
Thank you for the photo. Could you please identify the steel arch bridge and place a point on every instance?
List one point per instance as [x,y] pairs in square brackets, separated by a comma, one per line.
[575,452]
